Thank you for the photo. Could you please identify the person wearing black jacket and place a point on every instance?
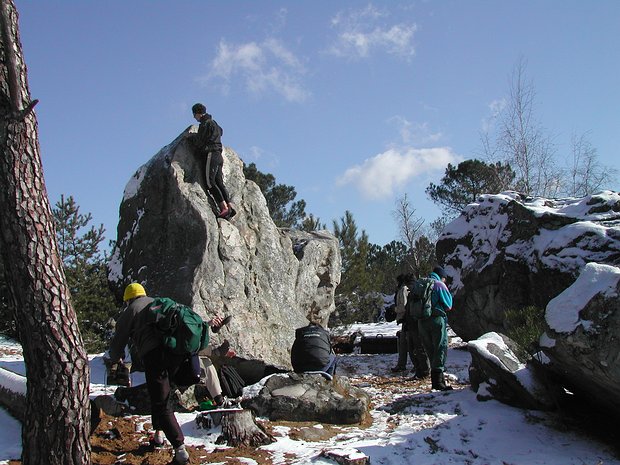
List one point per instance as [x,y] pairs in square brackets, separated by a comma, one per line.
[312,350]
[207,143]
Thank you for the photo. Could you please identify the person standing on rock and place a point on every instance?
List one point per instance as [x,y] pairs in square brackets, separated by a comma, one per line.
[434,330]
[160,365]
[208,145]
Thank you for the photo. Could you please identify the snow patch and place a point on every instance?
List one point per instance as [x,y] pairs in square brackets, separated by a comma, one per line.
[562,314]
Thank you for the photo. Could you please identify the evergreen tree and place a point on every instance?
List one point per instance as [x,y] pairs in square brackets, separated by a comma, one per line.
[85,269]
[284,210]
[462,184]
[310,223]
[355,299]
[354,249]
[386,263]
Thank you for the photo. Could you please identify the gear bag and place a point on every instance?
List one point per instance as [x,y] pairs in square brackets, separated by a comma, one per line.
[183,330]
[419,305]
[231,381]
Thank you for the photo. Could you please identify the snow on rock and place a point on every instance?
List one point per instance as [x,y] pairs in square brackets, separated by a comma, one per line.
[563,312]
[497,372]
[557,258]
[509,251]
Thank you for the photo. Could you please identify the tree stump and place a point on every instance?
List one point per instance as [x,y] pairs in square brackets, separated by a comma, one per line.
[240,429]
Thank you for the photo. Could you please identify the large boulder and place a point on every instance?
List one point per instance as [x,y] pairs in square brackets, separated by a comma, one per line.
[582,340]
[169,239]
[509,251]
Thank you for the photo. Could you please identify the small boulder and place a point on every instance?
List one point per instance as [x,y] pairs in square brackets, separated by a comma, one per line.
[307,397]
[496,372]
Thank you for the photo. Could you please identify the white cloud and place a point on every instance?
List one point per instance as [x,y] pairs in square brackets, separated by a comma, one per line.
[359,34]
[496,107]
[417,134]
[256,153]
[264,67]
[378,177]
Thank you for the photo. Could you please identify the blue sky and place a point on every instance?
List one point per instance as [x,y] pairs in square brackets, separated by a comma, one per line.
[352,103]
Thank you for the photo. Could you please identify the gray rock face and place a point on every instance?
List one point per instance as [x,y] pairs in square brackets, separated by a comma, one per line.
[582,340]
[307,397]
[507,251]
[496,372]
[269,279]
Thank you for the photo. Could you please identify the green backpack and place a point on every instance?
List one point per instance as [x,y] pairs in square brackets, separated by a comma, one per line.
[183,330]
[419,305]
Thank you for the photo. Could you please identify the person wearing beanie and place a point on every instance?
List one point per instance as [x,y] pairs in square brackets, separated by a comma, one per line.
[434,330]
[208,145]
[160,365]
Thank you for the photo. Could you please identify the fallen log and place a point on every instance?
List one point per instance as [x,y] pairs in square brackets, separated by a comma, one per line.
[13,397]
[13,393]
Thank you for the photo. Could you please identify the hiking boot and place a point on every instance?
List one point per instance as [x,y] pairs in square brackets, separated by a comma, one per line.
[422,375]
[225,321]
[222,350]
[397,369]
[157,440]
[439,382]
[181,457]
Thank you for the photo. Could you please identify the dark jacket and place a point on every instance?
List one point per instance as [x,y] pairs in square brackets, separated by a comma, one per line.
[132,324]
[311,349]
[208,137]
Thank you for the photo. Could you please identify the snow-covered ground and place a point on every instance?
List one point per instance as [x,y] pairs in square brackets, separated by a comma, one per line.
[411,425]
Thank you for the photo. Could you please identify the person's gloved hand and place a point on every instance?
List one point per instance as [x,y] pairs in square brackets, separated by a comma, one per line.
[217,322]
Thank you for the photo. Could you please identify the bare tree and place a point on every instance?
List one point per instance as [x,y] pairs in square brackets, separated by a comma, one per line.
[411,233]
[521,141]
[57,419]
[586,175]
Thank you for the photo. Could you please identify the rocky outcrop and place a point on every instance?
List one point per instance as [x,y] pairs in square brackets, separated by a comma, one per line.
[509,251]
[269,279]
[582,340]
[307,397]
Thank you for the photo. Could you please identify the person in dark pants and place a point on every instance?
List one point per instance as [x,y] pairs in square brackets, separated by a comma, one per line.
[434,330]
[312,350]
[208,145]
[405,348]
[160,365]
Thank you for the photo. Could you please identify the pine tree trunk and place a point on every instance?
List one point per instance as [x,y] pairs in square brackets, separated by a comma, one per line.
[56,426]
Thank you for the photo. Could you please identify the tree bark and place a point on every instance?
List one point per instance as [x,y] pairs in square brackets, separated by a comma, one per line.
[57,418]
[240,429]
